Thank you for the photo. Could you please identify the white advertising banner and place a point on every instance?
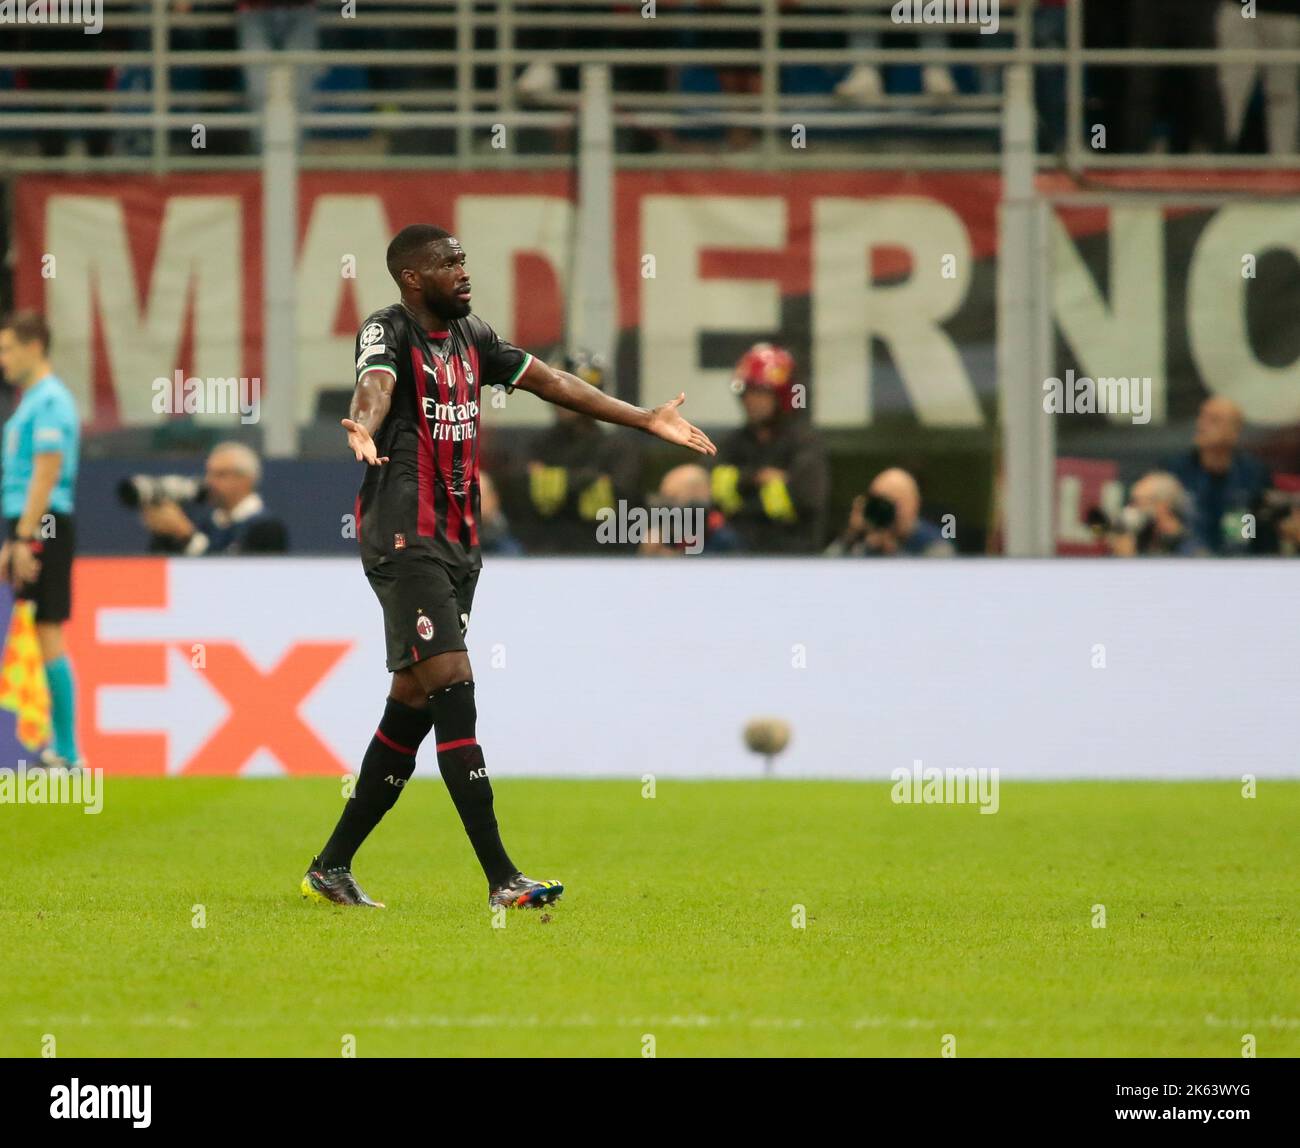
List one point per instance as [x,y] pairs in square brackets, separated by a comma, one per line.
[653,666]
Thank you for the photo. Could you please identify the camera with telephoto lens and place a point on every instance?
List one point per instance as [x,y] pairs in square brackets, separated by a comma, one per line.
[150,489]
[1274,512]
[1277,505]
[880,513]
[1130,520]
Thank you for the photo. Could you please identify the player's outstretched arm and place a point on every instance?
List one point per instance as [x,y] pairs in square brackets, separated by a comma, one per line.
[370,403]
[566,390]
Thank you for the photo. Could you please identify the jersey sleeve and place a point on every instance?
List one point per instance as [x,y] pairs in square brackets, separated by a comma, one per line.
[52,431]
[376,346]
[500,364]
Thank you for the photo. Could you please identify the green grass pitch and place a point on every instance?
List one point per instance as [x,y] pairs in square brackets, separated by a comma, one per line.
[921,921]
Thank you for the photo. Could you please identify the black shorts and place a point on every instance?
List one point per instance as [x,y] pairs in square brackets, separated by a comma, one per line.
[426,607]
[52,590]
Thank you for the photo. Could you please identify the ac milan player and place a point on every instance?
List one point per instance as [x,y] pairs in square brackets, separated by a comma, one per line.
[422,366]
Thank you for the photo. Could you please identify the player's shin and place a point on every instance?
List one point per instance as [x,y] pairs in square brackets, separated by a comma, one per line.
[460,761]
[385,770]
[63,708]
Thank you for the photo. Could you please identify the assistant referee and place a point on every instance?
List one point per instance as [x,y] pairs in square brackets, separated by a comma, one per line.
[41,446]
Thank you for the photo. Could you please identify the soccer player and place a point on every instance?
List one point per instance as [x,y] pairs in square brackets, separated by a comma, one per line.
[422,368]
[41,441]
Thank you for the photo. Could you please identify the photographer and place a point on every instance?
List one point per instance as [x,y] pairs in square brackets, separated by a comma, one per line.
[1223,481]
[886,522]
[1155,521]
[687,487]
[229,519]
[1278,520]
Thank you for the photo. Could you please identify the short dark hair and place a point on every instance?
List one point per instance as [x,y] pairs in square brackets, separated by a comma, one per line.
[28,327]
[407,242]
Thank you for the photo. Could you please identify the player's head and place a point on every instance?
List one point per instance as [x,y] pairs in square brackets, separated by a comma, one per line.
[24,347]
[233,472]
[428,265]
[764,380]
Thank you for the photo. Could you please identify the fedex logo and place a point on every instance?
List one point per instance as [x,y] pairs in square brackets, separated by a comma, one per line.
[178,673]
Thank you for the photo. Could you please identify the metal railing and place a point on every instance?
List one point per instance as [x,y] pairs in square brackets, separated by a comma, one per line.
[463,83]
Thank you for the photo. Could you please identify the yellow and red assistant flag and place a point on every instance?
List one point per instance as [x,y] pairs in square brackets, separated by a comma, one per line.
[23,688]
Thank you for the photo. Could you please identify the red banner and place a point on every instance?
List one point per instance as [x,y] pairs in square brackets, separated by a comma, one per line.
[883,284]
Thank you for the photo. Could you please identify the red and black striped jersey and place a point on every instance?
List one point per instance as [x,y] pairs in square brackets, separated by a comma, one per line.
[426,497]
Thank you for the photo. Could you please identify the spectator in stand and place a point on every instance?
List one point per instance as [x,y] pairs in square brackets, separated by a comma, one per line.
[542,78]
[728,79]
[886,522]
[279,26]
[1185,98]
[493,528]
[1049,83]
[1240,28]
[1106,27]
[687,487]
[1224,482]
[575,470]
[37,39]
[233,520]
[770,477]
[864,84]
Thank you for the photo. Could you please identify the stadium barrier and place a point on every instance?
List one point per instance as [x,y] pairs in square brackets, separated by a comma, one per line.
[626,668]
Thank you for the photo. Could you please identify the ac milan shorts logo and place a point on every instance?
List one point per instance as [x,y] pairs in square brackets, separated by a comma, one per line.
[424,627]
[399,541]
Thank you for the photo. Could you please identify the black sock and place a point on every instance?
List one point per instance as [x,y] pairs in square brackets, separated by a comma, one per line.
[385,770]
[461,762]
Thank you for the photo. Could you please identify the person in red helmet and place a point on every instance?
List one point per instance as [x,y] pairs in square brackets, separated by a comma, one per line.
[771,479]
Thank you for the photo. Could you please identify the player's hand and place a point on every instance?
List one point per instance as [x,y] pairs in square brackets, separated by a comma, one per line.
[363,446]
[858,516]
[24,566]
[881,542]
[1122,545]
[667,424]
[167,519]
